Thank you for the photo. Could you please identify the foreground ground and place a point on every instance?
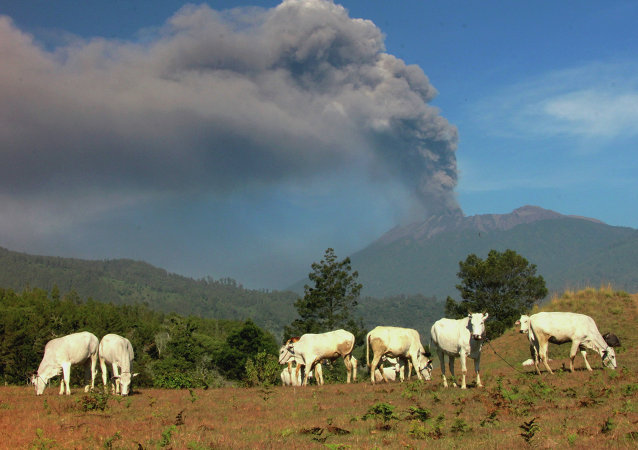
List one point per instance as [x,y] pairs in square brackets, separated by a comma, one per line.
[516,407]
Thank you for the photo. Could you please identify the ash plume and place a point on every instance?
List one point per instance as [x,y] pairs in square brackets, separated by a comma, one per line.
[215,102]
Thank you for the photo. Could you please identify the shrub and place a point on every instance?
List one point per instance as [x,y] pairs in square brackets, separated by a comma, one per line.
[262,370]
[95,400]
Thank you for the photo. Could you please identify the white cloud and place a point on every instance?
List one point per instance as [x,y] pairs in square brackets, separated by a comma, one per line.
[597,100]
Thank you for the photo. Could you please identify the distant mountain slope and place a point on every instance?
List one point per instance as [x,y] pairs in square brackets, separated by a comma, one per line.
[569,251]
[125,281]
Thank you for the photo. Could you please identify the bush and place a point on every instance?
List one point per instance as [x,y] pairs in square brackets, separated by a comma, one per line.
[262,370]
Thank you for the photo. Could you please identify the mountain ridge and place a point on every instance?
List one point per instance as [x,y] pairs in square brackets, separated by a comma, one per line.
[433,225]
[423,257]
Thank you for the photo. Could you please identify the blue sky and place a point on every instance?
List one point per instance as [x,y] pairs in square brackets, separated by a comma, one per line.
[212,140]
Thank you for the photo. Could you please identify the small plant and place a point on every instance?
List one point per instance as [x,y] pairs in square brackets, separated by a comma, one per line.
[108,443]
[419,431]
[629,389]
[490,419]
[41,442]
[437,432]
[460,426]
[381,411]
[412,389]
[47,408]
[529,430]
[193,397]
[418,413]
[608,426]
[571,439]
[167,434]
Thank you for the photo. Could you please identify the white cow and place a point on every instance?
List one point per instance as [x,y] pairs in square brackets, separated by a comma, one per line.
[310,349]
[396,342]
[391,372]
[462,338]
[118,352]
[293,376]
[561,327]
[60,354]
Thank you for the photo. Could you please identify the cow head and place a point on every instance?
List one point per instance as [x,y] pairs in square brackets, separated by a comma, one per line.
[476,324]
[609,358]
[286,352]
[426,368]
[125,381]
[523,322]
[39,383]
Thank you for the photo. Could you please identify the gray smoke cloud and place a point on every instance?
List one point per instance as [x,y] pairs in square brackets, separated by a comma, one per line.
[213,102]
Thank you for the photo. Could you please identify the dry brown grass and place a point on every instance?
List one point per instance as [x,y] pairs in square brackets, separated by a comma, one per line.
[582,410]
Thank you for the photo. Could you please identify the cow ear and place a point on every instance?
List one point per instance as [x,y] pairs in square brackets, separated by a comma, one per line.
[518,322]
[485,316]
[135,374]
[469,314]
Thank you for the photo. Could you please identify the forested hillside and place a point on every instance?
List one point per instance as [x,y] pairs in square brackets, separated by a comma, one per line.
[133,282]
[170,350]
[127,282]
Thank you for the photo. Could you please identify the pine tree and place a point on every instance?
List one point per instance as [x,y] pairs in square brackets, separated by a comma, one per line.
[329,303]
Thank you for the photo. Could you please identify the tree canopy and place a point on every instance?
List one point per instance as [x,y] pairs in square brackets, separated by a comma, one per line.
[330,302]
[504,284]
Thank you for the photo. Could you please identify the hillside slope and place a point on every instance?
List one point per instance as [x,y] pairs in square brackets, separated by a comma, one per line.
[128,282]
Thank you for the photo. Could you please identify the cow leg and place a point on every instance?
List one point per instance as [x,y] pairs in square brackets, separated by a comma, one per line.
[354,362]
[93,370]
[348,363]
[463,358]
[442,363]
[87,373]
[373,366]
[319,373]
[451,366]
[414,361]
[116,376]
[105,373]
[477,363]
[66,374]
[543,350]
[584,354]
[309,368]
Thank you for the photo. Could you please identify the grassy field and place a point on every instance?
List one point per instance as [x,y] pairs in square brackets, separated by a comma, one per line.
[516,408]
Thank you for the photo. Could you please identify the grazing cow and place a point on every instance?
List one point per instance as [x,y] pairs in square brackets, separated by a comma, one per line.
[294,378]
[404,343]
[462,338]
[60,354]
[561,327]
[310,349]
[118,352]
[611,339]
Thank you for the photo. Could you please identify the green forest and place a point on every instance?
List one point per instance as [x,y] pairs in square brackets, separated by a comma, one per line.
[171,351]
